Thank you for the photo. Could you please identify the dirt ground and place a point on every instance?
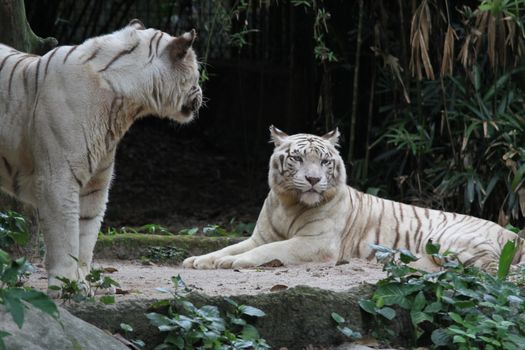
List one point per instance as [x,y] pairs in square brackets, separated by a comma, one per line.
[141,281]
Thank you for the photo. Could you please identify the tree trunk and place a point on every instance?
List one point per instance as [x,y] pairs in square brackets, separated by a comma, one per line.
[16,32]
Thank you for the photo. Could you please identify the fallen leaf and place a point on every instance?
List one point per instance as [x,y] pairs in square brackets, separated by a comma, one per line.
[278,288]
[342,262]
[110,269]
[121,291]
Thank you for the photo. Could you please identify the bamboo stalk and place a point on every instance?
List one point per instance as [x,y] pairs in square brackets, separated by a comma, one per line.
[353,120]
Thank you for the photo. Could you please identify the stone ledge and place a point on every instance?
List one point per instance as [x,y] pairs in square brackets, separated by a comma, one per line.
[294,318]
[134,246]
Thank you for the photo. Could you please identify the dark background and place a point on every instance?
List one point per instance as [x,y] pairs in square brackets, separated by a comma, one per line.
[269,62]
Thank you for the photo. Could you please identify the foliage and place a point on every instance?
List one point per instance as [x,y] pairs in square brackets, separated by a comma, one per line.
[148,229]
[342,328]
[13,229]
[79,291]
[13,296]
[457,307]
[166,254]
[191,327]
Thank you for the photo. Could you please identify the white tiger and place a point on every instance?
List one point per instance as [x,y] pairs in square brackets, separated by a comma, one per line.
[311,214]
[62,116]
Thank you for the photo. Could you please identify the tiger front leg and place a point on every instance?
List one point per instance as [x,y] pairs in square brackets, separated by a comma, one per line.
[58,206]
[289,252]
[93,199]
[209,261]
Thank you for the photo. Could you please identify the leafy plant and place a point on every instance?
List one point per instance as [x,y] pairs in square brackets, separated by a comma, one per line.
[13,296]
[13,229]
[166,254]
[79,291]
[191,327]
[457,307]
[342,328]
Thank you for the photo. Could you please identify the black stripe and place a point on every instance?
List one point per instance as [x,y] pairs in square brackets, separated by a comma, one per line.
[93,55]
[91,192]
[49,60]
[119,55]
[36,75]
[88,153]
[12,74]
[151,43]
[7,166]
[87,218]
[16,184]
[5,60]
[75,176]
[69,53]
[158,42]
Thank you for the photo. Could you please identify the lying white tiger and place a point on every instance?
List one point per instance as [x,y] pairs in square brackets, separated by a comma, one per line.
[62,116]
[311,214]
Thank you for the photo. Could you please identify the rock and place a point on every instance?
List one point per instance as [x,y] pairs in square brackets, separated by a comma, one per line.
[42,332]
[295,317]
[135,246]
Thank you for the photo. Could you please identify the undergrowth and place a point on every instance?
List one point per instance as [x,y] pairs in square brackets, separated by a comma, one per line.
[13,296]
[458,307]
[192,327]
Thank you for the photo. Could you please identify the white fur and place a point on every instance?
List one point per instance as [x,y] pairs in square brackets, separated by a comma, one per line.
[62,116]
[330,221]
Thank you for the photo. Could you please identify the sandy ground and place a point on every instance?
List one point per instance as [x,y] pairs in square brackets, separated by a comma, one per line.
[141,281]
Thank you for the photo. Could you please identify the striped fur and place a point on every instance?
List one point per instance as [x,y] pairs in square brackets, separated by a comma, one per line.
[311,214]
[62,116]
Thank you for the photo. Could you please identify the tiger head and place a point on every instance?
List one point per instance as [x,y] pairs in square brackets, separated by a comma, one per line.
[156,70]
[306,168]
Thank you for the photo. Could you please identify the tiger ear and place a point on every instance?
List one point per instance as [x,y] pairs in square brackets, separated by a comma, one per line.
[137,24]
[277,136]
[179,46]
[333,137]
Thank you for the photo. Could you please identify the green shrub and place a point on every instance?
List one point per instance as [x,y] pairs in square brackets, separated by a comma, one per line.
[13,297]
[457,307]
[191,327]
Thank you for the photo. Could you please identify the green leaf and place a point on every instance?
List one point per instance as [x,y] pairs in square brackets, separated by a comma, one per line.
[251,311]
[107,299]
[395,293]
[250,332]
[406,256]
[417,317]
[13,305]
[419,302]
[434,307]
[431,248]
[158,319]
[368,305]
[455,317]
[337,318]
[387,312]
[126,327]
[505,260]
[440,337]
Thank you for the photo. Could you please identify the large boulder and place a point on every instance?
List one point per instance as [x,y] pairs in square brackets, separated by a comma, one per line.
[42,332]
[294,318]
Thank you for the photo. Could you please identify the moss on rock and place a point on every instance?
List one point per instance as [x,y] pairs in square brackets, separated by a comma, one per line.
[135,246]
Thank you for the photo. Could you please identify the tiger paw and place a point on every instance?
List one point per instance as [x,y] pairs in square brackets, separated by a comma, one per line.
[234,262]
[200,262]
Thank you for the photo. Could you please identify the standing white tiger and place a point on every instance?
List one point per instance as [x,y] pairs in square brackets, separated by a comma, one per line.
[311,214]
[62,116]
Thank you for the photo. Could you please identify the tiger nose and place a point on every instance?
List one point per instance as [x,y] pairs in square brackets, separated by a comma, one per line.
[312,180]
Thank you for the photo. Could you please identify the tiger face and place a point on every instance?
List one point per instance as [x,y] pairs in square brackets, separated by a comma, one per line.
[167,83]
[306,168]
